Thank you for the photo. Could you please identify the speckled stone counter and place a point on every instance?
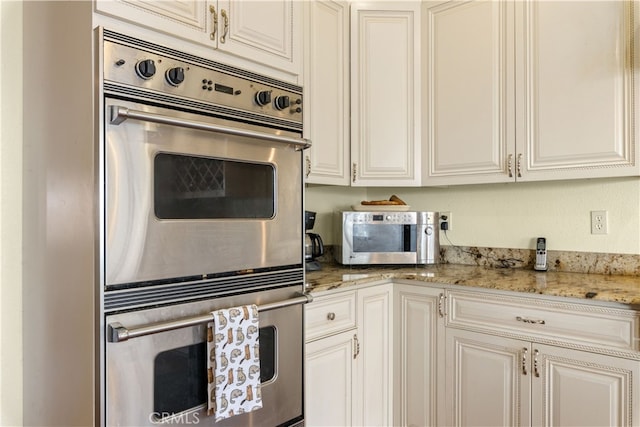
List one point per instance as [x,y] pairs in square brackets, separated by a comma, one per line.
[594,287]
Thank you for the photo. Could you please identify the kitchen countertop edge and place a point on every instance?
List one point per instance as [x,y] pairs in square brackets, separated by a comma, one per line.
[613,290]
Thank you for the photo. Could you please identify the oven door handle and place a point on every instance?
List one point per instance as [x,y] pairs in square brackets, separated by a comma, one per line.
[116,332]
[119,114]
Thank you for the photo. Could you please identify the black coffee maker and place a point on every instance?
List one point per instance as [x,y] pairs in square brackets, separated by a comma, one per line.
[313,246]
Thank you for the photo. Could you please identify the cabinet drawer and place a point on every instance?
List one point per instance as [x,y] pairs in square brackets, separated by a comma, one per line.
[330,314]
[544,320]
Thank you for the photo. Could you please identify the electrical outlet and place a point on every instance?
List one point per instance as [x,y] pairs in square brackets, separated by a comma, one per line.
[599,222]
[445,217]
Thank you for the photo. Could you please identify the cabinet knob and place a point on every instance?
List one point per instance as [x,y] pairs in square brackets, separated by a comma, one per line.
[331,316]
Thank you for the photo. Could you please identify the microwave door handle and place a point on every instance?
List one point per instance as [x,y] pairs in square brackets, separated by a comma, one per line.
[119,114]
[117,332]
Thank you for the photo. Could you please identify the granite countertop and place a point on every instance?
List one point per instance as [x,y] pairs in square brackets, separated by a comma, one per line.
[594,287]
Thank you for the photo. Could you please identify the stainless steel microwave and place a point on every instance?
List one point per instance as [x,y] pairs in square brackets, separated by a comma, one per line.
[383,237]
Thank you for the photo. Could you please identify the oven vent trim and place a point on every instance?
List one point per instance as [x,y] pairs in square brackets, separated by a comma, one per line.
[178,293]
[165,100]
[197,60]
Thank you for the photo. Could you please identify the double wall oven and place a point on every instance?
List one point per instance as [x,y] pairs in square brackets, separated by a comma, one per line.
[202,207]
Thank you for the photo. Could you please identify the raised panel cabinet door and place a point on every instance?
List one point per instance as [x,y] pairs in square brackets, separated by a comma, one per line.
[385,93]
[373,401]
[182,18]
[487,379]
[265,31]
[419,333]
[577,69]
[468,92]
[329,380]
[578,388]
[326,110]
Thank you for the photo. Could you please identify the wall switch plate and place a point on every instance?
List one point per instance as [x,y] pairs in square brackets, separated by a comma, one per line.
[599,222]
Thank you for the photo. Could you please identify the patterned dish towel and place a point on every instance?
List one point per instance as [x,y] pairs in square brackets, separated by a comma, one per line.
[234,362]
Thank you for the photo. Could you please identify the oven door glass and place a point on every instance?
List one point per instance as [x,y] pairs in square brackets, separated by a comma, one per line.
[178,382]
[193,187]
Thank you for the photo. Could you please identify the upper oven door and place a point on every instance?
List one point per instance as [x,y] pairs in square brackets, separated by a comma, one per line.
[184,199]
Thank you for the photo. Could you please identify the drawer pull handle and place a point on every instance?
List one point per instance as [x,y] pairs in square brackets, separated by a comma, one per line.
[331,316]
[525,320]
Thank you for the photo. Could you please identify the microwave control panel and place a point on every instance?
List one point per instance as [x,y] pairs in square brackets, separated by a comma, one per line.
[384,217]
[392,217]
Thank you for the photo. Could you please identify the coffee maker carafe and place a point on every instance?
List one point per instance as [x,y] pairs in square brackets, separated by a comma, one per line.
[313,246]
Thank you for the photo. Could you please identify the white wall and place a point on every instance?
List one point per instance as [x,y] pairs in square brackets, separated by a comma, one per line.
[10,213]
[512,215]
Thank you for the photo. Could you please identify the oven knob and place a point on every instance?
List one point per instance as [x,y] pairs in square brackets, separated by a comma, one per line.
[175,76]
[281,102]
[263,97]
[146,68]
[429,230]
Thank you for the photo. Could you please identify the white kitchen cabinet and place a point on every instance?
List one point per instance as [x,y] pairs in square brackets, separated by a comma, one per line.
[374,401]
[419,332]
[494,380]
[502,369]
[348,358]
[262,32]
[326,84]
[385,93]
[330,377]
[532,90]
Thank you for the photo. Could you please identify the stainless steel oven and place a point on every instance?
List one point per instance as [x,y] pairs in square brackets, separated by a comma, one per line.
[203,166]
[201,210]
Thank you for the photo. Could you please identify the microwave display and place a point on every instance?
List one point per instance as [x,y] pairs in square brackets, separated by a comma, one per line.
[384,237]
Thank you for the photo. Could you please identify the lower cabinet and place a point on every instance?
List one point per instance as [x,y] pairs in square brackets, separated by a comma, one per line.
[348,368]
[411,354]
[497,381]
[330,376]
[419,348]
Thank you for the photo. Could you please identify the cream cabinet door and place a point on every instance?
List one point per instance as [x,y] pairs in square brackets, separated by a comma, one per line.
[326,86]
[468,92]
[329,369]
[419,333]
[577,94]
[385,93]
[488,380]
[577,388]
[373,401]
[267,33]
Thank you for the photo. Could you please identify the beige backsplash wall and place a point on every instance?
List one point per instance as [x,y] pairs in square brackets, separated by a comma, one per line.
[510,215]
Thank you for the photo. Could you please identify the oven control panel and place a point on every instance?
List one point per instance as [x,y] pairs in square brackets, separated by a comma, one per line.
[165,71]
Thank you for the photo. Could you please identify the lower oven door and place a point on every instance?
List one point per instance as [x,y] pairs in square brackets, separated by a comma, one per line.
[162,377]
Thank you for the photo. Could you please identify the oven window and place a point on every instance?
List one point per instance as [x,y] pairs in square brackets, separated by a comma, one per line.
[384,238]
[189,187]
[180,374]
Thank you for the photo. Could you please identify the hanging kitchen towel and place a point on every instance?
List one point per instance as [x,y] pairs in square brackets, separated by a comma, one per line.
[234,362]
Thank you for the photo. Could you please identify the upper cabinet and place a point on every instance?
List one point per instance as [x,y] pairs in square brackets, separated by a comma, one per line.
[326,85]
[362,93]
[385,93]
[534,90]
[267,32]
